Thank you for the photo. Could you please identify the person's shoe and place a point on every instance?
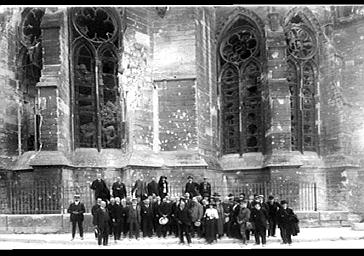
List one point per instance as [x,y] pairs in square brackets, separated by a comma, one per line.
[189,244]
[81,237]
[72,239]
[263,245]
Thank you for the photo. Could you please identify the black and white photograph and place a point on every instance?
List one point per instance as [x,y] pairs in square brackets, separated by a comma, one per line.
[184,127]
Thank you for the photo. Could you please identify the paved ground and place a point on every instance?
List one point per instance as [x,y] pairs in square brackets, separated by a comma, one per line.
[308,238]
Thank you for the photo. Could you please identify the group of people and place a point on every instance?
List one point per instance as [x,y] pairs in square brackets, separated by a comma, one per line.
[196,213]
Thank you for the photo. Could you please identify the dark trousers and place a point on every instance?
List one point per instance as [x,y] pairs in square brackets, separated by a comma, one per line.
[286,235]
[103,236]
[124,227]
[117,229]
[196,230]
[158,229]
[80,228]
[147,227]
[134,228]
[227,228]
[164,229]
[260,233]
[184,230]
[272,227]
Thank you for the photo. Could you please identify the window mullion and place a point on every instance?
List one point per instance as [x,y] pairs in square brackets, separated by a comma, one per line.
[98,117]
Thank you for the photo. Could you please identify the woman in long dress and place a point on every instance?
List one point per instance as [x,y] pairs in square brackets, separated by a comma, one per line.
[210,216]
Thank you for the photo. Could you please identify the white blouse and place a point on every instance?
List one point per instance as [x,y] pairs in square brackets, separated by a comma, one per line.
[212,213]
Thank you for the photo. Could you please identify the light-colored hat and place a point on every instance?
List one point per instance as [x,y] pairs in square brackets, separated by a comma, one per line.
[163,220]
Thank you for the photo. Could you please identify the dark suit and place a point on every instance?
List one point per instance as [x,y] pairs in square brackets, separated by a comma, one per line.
[147,220]
[152,187]
[260,219]
[272,217]
[76,218]
[118,190]
[156,214]
[165,209]
[116,218]
[134,220]
[102,221]
[101,190]
[286,221]
[140,188]
[184,219]
[205,189]
[192,189]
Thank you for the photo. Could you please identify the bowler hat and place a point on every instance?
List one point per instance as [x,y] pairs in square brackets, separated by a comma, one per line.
[76,196]
[189,177]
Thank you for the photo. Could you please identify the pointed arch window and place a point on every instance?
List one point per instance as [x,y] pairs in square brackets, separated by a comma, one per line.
[302,81]
[240,72]
[97,109]
[30,66]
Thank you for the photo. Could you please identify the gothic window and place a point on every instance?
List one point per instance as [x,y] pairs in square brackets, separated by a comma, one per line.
[97,108]
[240,65]
[30,66]
[302,79]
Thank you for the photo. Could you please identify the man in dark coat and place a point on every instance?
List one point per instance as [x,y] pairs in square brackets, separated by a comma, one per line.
[146,213]
[273,208]
[134,219]
[93,212]
[191,187]
[124,217]
[184,220]
[157,226]
[152,187]
[116,218]
[227,206]
[118,189]
[102,223]
[101,190]
[259,217]
[140,188]
[77,209]
[205,188]
[165,210]
[287,222]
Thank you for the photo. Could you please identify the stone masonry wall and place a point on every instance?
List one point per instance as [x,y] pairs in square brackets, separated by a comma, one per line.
[9,96]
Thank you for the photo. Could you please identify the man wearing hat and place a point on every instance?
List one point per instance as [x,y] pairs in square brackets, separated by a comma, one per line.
[260,219]
[184,220]
[272,207]
[134,219]
[100,188]
[152,187]
[76,209]
[140,188]
[191,187]
[205,188]
[287,222]
[196,217]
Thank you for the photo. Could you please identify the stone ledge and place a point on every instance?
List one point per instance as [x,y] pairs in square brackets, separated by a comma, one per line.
[357,226]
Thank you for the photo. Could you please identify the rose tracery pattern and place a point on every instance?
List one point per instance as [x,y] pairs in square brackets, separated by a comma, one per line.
[301,43]
[239,46]
[31,31]
[95,24]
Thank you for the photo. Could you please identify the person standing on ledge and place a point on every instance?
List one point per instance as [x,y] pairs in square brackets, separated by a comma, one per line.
[76,209]
[101,190]
[191,187]
[118,189]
